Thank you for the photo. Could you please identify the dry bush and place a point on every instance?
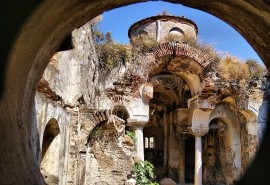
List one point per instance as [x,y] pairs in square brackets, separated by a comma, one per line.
[203,47]
[244,72]
[172,38]
[231,68]
[143,43]
[110,54]
[189,40]
[256,70]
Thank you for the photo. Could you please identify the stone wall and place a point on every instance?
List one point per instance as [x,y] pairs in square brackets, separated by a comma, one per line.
[73,74]
[249,137]
[80,129]
[213,171]
[111,154]
[99,150]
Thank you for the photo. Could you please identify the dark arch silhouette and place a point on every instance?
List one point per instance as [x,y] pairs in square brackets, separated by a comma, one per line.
[26,49]
[176,30]
[50,132]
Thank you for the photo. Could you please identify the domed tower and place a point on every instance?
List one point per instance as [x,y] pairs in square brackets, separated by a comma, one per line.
[164,28]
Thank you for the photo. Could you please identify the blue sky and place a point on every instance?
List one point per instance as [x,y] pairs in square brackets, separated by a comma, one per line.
[211,29]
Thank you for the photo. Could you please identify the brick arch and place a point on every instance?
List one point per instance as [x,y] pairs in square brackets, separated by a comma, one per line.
[177,49]
[37,33]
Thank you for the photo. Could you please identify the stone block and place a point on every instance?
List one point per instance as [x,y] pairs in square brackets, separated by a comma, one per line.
[167,181]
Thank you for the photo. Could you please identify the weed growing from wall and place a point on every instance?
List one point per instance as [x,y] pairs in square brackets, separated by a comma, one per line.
[144,173]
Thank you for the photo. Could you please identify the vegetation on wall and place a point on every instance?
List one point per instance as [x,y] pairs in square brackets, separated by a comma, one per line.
[255,69]
[143,43]
[131,134]
[232,68]
[144,173]
[110,54]
[226,67]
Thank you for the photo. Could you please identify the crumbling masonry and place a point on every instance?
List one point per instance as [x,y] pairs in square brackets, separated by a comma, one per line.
[191,126]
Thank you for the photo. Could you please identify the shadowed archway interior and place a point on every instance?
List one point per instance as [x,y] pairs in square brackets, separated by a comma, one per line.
[50,132]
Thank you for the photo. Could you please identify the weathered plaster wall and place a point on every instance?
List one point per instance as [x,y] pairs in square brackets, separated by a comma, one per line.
[159,29]
[173,156]
[249,137]
[213,145]
[55,160]
[81,127]
[72,74]
[230,154]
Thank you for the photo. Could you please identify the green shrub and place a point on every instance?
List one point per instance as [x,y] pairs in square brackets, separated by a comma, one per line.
[144,173]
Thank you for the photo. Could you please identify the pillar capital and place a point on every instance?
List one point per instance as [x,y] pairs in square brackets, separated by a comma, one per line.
[199,121]
[198,131]
[136,122]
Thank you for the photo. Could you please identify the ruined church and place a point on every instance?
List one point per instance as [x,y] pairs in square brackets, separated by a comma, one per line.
[189,123]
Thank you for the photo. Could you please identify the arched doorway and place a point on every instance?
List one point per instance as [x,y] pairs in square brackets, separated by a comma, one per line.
[214,157]
[50,152]
[189,159]
[50,132]
[224,136]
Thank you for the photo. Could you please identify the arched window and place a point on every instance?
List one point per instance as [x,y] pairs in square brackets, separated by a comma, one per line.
[142,33]
[177,31]
[121,112]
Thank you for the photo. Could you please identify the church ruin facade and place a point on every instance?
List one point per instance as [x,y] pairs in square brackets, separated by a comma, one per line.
[193,127]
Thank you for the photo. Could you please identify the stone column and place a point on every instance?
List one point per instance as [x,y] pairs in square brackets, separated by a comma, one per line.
[139,145]
[181,162]
[139,141]
[165,151]
[199,127]
[198,161]
[198,132]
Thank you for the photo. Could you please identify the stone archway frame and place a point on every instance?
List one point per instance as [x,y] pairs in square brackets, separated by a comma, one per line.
[228,114]
[42,34]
